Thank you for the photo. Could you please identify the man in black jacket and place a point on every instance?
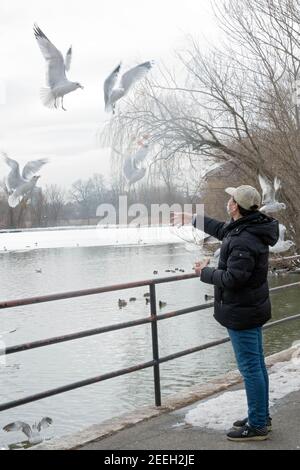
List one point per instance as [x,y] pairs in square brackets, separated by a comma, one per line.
[242,302]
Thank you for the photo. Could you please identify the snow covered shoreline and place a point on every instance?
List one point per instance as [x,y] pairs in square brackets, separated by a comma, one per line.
[60,237]
[284,379]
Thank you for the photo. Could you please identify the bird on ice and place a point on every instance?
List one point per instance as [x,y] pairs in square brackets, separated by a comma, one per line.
[132,168]
[56,67]
[32,432]
[269,190]
[113,93]
[282,245]
[19,185]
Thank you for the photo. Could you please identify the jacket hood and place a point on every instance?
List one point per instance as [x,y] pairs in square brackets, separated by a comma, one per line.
[264,227]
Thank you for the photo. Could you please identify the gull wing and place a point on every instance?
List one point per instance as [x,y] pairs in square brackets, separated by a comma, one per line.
[134,75]
[14,179]
[31,168]
[267,189]
[109,85]
[277,185]
[56,71]
[68,59]
[19,426]
[44,423]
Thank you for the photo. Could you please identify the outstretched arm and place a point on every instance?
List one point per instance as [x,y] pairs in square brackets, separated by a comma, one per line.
[213,227]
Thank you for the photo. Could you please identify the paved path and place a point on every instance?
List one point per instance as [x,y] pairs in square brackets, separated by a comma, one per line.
[161,433]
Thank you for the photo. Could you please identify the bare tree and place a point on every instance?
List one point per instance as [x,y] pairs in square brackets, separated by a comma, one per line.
[55,200]
[80,193]
[88,194]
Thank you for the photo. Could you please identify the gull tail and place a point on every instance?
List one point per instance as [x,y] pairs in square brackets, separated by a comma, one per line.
[47,97]
[14,201]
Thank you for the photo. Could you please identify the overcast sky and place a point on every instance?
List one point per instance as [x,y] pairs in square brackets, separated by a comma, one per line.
[102,34]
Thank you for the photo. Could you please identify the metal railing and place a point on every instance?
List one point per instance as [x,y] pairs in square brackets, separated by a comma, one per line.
[153,320]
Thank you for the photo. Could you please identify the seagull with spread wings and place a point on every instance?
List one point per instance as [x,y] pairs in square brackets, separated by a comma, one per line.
[113,93]
[270,204]
[20,185]
[32,432]
[15,179]
[56,80]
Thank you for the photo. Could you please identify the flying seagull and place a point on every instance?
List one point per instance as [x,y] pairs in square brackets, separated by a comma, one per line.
[282,245]
[20,185]
[15,178]
[32,432]
[133,170]
[56,66]
[113,93]
[270,204]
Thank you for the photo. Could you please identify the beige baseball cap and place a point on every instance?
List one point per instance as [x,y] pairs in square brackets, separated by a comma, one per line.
[246,196]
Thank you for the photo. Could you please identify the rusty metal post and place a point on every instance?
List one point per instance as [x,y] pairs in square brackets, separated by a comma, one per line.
[155,348]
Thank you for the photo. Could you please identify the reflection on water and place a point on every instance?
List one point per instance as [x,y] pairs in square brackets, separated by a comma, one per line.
[70,269]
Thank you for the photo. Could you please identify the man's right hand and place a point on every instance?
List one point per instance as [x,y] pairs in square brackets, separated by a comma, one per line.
[181,218]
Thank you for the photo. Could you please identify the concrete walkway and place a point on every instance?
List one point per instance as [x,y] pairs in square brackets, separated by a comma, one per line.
[151,428]
[161,433]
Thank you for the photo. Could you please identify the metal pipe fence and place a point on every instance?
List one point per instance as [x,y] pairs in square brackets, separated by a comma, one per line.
[153,319]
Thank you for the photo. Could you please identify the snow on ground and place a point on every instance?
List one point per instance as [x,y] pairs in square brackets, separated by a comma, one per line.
[219,413]
[97,236]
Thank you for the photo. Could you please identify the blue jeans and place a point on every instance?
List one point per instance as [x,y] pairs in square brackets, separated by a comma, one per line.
[248,350]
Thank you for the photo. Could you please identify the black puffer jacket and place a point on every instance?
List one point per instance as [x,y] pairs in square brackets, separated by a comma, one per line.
[241,287]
